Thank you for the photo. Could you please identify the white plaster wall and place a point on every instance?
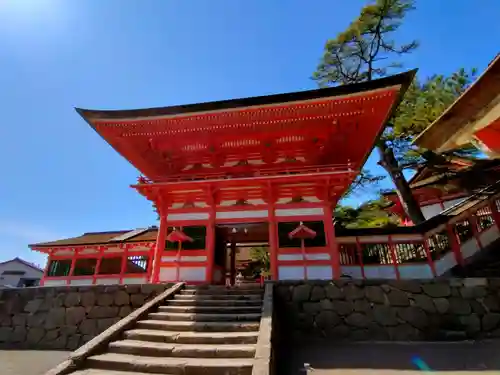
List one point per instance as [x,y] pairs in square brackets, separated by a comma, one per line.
[291,273]
[13,280]
[81,282]
[431,210]
[54,282]
[242,214]
[192,273]
[319,272]
[415,271]
[188,216]
[298,211]
[107,281]
[380,272]
[167,273]
[352,271]
[135,280]
[446,262]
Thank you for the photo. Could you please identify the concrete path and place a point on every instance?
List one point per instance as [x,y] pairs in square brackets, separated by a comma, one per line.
[29,362]
[482,358]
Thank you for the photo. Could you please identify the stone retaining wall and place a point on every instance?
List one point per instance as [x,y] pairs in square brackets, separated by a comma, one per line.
[66,317]
[390,310]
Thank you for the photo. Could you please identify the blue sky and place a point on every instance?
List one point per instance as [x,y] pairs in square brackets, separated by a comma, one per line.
[60,179]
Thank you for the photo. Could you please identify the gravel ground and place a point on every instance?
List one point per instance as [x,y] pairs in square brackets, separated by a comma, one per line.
[29,362]
[390,358]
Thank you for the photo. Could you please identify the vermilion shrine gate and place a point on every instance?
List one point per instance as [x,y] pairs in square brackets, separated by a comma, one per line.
[214,169]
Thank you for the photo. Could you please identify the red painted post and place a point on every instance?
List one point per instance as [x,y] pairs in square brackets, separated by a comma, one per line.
[98,264]
[273,235]
[429,257]
[331,241]
[160,247]
[455,245]
[394,258]
[360,255]
[475,229]
[123,266]
[72,268]
[210,239]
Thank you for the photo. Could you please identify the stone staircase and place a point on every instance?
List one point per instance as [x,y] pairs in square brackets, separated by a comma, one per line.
[207,330]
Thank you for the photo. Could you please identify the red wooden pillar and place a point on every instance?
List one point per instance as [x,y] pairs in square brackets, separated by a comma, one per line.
[359,250]
[392,249]
[210,240]
[331,241]
[429,256]
[273,235]
[72,268]
[475,228]
[159,248]
[455,245]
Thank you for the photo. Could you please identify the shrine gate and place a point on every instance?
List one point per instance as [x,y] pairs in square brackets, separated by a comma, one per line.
[268,162]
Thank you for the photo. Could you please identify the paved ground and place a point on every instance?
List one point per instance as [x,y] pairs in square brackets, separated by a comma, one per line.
[367,359]
[29,362]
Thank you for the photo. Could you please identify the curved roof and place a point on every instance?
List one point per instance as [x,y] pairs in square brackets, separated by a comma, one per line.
[403,79]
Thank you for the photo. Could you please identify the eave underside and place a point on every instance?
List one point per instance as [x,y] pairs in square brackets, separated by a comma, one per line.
[474,110]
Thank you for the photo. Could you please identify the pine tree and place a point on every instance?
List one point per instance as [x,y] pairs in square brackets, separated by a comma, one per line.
[366,51]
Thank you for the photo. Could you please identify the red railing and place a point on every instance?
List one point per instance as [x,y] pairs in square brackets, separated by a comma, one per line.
[248,172]
[432,248]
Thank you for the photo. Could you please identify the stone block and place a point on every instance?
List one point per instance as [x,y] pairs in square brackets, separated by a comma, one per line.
[424,302]
[121,298]
[375,294]
[72,299]
[397,297]
[301,293]
[56,317]
[137,300]
[414,315]
[385,315]
[353,292]
[88,327]
[105,299]
[88,299]
[75,315]
[333,292]
[357,320]
[317,293]
[437,290]
[35,335]
[100,312]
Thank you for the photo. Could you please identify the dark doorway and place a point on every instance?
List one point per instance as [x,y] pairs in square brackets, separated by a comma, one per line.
[235,246]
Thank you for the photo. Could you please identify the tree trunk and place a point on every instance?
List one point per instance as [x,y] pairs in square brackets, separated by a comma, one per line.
[391,165]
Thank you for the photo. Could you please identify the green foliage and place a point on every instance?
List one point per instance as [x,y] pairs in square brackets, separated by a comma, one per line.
[261,256]
[369,215]
[360,53]
[367,50]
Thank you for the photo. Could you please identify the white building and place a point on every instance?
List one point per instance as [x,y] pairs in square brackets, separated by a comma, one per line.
[19,273]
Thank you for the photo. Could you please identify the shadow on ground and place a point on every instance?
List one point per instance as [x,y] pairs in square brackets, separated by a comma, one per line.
[385,358]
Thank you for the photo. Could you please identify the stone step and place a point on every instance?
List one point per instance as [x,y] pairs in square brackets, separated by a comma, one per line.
[216,292]
[245,286]
[198,326]
[214,302]
[169,365]
[211,309]
[204,317]
[154,335]
[243,297]
[96,371]
[161,349]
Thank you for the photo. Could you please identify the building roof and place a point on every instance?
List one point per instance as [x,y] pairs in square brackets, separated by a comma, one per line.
[330,126]
[403,79]
[26,263]
[448,131]
[95,238]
